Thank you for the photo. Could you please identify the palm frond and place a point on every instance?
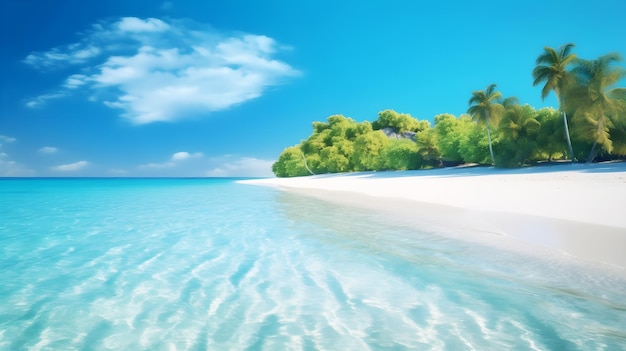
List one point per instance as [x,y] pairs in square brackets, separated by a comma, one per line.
[551,69]
[477,96]
[582,69]
[541,73]
[618,94]
[489,91]
[566,48]
[510,102]
[611,57]
[475,110]
[548,56]
[495,96]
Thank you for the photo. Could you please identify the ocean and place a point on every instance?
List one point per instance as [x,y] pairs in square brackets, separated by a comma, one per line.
[211,264]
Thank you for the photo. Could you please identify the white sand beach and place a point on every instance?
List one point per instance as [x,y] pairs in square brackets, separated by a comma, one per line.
[576,209]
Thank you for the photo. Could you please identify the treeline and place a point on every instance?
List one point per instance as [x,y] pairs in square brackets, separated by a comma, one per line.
[589,125]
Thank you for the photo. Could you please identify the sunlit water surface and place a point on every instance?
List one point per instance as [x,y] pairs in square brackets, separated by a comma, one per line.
[208,264]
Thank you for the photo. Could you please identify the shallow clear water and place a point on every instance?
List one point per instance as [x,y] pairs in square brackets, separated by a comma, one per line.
[208,264]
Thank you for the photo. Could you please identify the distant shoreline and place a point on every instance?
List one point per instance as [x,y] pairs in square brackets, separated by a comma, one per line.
[573,208]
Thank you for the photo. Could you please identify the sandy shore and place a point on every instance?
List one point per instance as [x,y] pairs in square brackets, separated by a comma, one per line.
[577,209]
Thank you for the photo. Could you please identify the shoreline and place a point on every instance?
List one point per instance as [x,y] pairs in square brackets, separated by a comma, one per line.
[574,209]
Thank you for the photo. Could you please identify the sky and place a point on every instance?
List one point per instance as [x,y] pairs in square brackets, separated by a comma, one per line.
[220,88]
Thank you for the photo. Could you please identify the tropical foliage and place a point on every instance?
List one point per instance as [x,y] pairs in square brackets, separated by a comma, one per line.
[484,109]
[589,124]
[552,69]
[597,105]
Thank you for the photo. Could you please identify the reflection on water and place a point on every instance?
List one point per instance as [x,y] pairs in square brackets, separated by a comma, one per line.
[196,265]
[429,257]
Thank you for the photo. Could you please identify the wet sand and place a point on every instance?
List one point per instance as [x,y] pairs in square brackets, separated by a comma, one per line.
[575,209]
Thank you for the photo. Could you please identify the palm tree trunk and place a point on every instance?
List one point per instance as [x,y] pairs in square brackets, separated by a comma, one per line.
[493,161]
[593,152]
[569,141]
[594,148]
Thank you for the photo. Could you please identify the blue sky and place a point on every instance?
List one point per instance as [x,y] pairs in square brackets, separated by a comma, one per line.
[220,88]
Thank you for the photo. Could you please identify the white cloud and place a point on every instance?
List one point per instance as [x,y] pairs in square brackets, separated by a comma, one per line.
[163,165]
[71,54]
[184,155]
[173,161]
[71,166]
[243,167]
[9,168]
[48,150]
[75,80]
[153,70]
[6,139]
[134,24]
[42,99]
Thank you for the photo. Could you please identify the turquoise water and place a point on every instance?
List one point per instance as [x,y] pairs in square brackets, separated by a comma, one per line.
[209,264]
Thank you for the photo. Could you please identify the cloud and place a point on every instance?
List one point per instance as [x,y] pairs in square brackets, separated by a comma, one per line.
[134,24]
[156,70]
[243,167]
[57,57]
[173,161]
[6,139]
[168,164]
[48,150]
[42,99]
[71,166]
[183,155]
[9,168]
[75,80]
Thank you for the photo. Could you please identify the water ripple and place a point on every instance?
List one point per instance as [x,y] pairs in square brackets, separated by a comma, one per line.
[190,265]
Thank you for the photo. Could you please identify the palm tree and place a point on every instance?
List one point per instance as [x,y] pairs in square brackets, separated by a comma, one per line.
[518,121]
[550,132]
[519,129]
[552,68]
[484,107]
[597,104]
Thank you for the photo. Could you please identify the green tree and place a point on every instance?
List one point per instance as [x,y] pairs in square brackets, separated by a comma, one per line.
[333,160]
[329,148]
[369,151]
[484,108]
[290,163]
[597,104]
[618,132]
[473,142]
[427,149]
[448,137]
[401,154]
[399,122]
[552,69]
[519,129]
[551,138]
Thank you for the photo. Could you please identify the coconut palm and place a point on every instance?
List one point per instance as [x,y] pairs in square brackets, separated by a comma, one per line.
[550,133]
[552,69]
[519,129]
[518,121]
[598,105]
[484,107]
